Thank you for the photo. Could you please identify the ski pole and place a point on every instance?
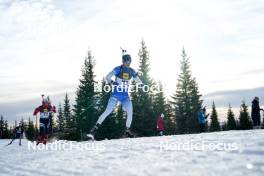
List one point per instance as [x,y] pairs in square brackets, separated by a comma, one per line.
[14,137]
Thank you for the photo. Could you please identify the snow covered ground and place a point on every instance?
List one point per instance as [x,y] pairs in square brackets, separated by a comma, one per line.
[224,153]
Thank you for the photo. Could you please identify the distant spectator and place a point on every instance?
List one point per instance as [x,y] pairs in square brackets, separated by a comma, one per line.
[160,124]
[255,112]
[202,119]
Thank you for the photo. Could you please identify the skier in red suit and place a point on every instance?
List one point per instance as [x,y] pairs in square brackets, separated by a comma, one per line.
[45,110]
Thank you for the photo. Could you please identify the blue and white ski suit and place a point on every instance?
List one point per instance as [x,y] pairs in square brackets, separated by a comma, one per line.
[123,76]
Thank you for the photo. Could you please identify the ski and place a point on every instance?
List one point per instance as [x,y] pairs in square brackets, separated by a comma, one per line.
[90,137]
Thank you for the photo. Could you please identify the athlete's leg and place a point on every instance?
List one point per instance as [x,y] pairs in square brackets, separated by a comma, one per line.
[110,107]
[127,106]
[41,129]
[47,123]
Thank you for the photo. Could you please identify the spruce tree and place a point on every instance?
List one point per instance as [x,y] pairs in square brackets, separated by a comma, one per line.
[244,119]
[6,134]
[231,122]
[85,107]
[61,120]
[186,100]
[159,101]
[11,130]
[214,126]
[30,130]
[170,125]
[67,111]
[143,119]
[70,132]
[196,103]
[1,126]
[224,126]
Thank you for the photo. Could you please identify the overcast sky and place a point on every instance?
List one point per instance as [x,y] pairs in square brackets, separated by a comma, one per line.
[44,42]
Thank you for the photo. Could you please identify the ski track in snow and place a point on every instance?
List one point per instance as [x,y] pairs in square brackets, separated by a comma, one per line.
[140,156]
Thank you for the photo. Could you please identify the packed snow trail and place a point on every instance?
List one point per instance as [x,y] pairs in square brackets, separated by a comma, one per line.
[141,156]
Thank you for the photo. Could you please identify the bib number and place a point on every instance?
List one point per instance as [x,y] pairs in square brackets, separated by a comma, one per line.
[45,114]
[125,76]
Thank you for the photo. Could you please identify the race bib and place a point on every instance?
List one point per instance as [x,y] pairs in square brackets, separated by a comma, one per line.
[44,114]
[126,76]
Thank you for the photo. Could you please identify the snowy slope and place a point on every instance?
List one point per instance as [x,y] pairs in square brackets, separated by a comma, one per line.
[141,156]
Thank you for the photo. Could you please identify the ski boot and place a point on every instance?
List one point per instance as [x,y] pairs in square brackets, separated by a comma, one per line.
[45,139]
[91,135]
[39,139]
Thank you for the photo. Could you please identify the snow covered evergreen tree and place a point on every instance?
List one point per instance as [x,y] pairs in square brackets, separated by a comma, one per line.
[214,125]
[186,100]
[231,122]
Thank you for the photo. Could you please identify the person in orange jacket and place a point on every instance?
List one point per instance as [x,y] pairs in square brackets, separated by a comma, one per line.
[45,110]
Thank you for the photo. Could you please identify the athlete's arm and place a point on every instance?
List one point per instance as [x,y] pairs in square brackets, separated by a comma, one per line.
[37,110]
[109,76]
